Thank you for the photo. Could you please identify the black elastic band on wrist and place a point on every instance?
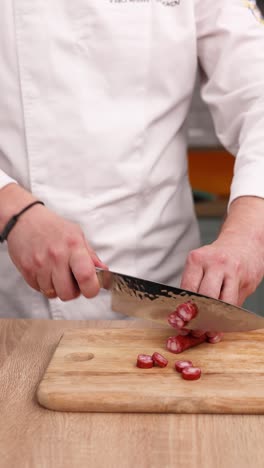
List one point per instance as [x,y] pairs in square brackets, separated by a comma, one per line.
[12,222]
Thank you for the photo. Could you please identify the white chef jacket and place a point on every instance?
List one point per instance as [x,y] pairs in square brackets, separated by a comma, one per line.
[94,96]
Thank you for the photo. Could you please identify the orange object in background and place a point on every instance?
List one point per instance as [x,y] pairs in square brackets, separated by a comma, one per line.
[211,170]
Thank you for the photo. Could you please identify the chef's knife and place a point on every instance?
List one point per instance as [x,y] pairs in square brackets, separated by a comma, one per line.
[145,299]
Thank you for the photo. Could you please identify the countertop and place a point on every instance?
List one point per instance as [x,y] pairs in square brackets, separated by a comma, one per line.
[31,436]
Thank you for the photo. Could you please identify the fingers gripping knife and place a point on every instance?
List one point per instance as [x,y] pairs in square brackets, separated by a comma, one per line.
[145,299]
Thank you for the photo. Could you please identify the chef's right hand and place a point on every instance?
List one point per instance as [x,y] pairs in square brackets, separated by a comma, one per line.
[52,253]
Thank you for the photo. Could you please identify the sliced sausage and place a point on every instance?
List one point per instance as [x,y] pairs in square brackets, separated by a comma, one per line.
[191,373]
[178,344]
[187,311]
[144,361]
[159,360]
[211,334]
[175,321]
[180,365]
[213,339]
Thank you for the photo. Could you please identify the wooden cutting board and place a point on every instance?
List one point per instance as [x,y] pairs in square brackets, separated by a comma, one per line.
[94,370]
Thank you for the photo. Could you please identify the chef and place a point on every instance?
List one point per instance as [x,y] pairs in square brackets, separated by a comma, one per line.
[94,97]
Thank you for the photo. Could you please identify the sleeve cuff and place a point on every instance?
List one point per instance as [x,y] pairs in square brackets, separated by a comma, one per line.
[247,182]
[5,180]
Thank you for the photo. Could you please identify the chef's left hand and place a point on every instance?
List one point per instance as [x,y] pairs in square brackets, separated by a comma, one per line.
[232,267]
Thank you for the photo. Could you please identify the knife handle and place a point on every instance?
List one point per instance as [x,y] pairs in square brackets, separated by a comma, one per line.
[105,278]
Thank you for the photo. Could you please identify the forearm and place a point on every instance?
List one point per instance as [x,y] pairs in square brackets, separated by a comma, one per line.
[246,218]
[13,198]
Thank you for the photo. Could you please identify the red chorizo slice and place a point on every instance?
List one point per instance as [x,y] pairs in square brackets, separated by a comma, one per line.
[187,311]
[144,361]
[214,338]
[175,321]
[180,365]
[211,334]
[178,344]
[159,360]
[191,373]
